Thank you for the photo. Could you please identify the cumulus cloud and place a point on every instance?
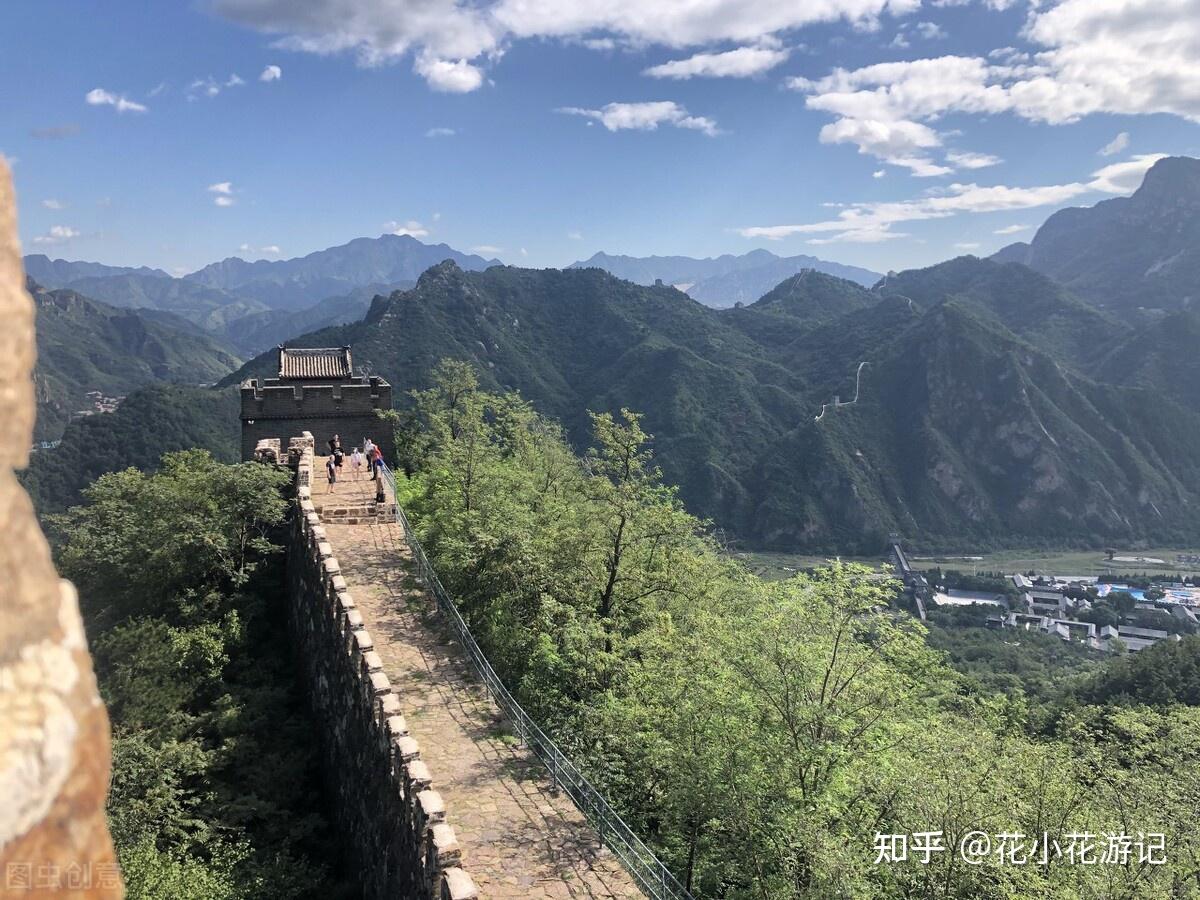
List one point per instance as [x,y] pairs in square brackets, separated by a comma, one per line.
[1134,57]
[456,37]
[644,116]
[449,76]
[271,73]
[412,228]
[51,203]
[234,80]
[101,97]
[1116,145]
[873,222]
[878,173]
[222,193]
[440,132]
[743,62]
[58,234]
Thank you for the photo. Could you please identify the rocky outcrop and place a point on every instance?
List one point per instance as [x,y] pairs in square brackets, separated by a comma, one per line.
[54,735]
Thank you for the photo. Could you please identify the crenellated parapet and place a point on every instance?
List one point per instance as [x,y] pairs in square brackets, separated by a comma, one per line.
[315,392]
[385,801]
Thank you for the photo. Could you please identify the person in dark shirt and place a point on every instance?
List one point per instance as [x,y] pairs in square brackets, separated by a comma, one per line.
[331,473]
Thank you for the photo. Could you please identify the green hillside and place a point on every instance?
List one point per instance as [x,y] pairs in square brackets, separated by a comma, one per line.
[976,423]
[84,345]
[152,421]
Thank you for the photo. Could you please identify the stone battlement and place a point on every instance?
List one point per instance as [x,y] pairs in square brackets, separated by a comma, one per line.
[385,802]
[278,408]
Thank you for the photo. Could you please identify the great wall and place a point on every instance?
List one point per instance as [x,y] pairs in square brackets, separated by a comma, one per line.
[433,796]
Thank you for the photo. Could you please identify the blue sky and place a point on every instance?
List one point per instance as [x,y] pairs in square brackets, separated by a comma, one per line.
[884,133]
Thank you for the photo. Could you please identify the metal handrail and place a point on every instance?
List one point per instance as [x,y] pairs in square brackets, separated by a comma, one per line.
[651,875]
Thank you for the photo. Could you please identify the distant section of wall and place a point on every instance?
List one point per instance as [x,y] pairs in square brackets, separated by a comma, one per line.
[54,738]
[277,409]
[392,820]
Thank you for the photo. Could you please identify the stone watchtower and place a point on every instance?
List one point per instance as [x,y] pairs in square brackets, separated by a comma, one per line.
[316,391]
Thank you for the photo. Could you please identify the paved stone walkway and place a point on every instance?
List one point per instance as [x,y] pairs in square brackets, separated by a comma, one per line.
[520,837]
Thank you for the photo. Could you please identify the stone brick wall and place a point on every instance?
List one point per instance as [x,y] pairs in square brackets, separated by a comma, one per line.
[54,735]
[392,819]
[271,409]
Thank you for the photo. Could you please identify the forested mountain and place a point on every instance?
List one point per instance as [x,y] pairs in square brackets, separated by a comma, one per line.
[300,282]
[84,345]
[1129,253]
[725,280]
[270,327]
[152,421]
[255,305]
[212,309]
[975,421]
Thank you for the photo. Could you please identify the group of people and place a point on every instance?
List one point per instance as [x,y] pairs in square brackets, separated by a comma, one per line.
[370,456]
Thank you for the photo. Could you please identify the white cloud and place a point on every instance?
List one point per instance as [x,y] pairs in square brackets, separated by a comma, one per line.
[268,250]
[412,228]
[900,143]
[203,87]
[930,31]
[271,73]
[1011,229]
[967,245]
[440,132]
[1116,145]
[743,62]
[234,80]
[961,159]
[449,76]
[51,203]
[58,234]
[1133,57]
[575,235]
[878,173]
[464,35]
[1123,177]
[222,193]
[644,116]
[873,222]
[486,248]
[101,97]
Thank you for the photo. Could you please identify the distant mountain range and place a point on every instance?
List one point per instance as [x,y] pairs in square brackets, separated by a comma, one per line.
[722,281]
[981,420]
[973,404]
[84,345]
[1128,255]
[253,305]
[298,283]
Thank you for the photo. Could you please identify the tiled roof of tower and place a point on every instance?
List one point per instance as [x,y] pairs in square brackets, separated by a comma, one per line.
[314,362]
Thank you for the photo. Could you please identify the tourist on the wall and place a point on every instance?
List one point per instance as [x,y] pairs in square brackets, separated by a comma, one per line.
[368,452]
[331,473]
[356,463]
